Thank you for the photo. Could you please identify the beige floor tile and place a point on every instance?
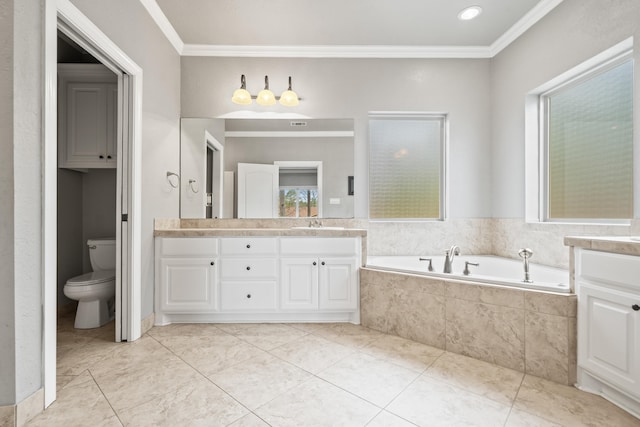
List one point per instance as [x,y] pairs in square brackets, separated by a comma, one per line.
[134,385]
[317,403]
[197,403]
[518,418]
[348,334]
[210,354]
[185,329]
[483,378]
[62,381]
[312,353]
[429,402]
[374,380]
[386,419]
[567,405]
[79,358]
[266,336]
[259,379]
[249,420]
[80,403]
[403,352]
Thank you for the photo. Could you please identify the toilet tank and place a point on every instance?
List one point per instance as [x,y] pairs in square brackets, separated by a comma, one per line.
[102,253]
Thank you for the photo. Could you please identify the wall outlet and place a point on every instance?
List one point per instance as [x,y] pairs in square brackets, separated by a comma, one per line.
[334,201]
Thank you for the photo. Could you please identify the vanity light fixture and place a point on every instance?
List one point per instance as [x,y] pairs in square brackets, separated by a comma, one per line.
[265,96]
[242,96]
[469,13]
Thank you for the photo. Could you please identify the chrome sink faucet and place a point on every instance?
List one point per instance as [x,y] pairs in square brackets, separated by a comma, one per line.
[448,259]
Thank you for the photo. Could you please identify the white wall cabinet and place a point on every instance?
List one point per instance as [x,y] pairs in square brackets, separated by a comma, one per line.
[257,279]
[87,120]
[608,288]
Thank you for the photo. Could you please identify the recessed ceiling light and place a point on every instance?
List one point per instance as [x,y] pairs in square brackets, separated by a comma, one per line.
[469,13]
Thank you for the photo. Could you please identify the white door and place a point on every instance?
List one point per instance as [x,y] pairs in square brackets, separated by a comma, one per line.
[258,187]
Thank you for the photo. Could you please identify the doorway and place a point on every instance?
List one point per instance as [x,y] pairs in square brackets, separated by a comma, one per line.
[65,17]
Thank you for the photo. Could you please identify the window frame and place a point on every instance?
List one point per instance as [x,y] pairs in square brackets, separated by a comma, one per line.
[536,135]
[444,156]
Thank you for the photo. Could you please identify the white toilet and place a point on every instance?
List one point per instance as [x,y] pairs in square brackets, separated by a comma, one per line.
[95,291]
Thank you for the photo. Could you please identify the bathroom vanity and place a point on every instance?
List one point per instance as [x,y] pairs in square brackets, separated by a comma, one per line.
[257,275]
[606,272]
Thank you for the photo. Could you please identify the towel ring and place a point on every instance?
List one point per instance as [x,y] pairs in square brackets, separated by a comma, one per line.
[174,182]
[191,185]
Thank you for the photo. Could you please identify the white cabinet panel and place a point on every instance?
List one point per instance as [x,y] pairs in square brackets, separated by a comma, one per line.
[248,268]
[249,246]
[338,284]
[299,283]
[189,247]
[187,285]
[331,246]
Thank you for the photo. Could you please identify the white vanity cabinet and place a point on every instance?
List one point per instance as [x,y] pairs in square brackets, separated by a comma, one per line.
[320,273]
[87,120]
[257,279]
[248,274]
[186,272]
[608,288]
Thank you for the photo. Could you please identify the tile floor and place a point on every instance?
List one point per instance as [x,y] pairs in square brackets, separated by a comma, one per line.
[297,375]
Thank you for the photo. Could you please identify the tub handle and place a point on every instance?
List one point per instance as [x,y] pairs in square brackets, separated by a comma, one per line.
[430,268]
[466,271]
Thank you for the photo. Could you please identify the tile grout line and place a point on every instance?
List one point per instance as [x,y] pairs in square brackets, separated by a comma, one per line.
[105,397]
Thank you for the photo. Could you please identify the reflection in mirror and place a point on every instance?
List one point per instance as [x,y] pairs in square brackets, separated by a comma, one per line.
[305,162]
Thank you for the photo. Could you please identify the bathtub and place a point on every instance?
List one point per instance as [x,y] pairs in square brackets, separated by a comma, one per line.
[492,270]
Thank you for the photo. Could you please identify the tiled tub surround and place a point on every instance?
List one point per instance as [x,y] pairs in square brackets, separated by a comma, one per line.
[528,331]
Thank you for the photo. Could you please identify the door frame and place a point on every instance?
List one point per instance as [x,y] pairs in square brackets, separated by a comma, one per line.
[211,142]
[64,15]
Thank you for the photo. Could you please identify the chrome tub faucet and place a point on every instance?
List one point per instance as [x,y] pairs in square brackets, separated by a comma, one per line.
[525,254]
[448,259]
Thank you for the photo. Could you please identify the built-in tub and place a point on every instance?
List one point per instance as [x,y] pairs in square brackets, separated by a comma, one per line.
[491,270]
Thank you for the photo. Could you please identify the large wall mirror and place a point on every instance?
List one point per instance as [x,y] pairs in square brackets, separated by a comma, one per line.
[266,168]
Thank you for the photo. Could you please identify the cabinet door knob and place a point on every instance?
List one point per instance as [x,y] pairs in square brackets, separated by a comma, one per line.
[315,263]
[636,307]
[248,246]
[248,295]
[108,157]
[213,263]
[248,268]
[322,263]
[101,156]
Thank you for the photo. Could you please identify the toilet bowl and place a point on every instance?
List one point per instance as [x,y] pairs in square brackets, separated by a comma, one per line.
[95,291]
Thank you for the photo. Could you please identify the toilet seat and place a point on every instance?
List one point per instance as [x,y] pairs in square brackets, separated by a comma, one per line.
[93,278]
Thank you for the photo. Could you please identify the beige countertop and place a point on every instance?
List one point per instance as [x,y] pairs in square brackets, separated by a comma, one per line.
[615,244]
[260,232]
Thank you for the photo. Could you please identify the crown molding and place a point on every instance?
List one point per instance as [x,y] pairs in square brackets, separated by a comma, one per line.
[527,21]
[165,26]
[336,51]
[350,51]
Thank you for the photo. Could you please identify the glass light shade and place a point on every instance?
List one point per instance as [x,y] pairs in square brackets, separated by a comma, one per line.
[241,96]
[289,98]
[266,97]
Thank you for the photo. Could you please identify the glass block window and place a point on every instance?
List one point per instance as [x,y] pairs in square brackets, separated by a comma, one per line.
[588,130]
[406,166]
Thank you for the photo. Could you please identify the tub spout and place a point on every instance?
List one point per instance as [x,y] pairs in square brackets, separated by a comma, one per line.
[525,254]
[448,259]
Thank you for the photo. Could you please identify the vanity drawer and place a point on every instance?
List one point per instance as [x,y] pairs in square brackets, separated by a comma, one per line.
[319,246]
[249,246]
[189,246]
[248,268]
[240,296]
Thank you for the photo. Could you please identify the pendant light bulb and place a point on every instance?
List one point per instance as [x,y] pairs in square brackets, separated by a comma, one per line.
[242,96]
[289,98]
[266,97]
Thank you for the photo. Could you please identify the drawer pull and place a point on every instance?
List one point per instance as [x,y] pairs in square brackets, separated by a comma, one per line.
[315,263]
[248,295]
[248,268]
[635,307]
[213,263]
[248,246]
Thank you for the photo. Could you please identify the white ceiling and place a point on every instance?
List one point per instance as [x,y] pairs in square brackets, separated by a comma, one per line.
[343,28]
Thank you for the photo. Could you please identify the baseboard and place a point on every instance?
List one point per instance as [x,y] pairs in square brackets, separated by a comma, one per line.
[147,323]
[20,414]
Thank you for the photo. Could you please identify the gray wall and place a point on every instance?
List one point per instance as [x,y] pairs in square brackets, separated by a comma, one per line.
[573,32]
[128,25]
[69,260]
[20,199]
[350,88]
